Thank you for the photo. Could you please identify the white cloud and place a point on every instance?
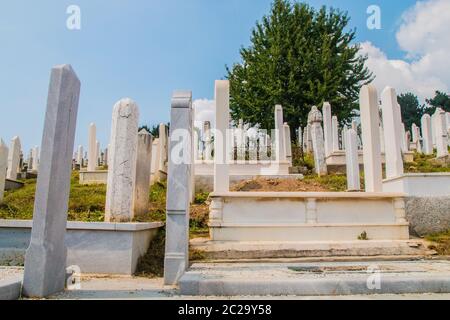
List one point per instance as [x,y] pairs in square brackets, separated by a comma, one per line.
[204,110]
[424,35]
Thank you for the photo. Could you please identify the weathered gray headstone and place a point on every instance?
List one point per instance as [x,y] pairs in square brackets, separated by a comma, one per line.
[179,184]
[208,140]
[122,162]
[164,148]
[305,139]
[315,120]
[309,141]
[13,159]
[3,166]
[327,129]
[45,260]
[352,164]
[143,173]
[287,142]
[98,153]
[279,134]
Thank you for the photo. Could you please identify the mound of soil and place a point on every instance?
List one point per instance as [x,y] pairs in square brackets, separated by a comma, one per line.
[279,185]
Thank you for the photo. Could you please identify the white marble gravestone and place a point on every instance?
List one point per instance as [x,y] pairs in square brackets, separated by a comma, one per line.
[394,160]
[143,173]
[92,148]
[80,153]
[13,159]
[441,133]
[427,134]
[221,171]
[45,260]
[327,129]
[179,185]
[287,142]
[122,162]
[36,158]
[335,133]
[315,120]
[3,166]
[370,123]
[279,134]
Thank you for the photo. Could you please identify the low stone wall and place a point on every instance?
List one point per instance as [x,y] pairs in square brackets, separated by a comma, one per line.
[93,177]
[420,184]
[428,215]
[104,248]
[13,185]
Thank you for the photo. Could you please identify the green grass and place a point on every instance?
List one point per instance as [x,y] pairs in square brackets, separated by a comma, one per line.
[152,263]
[86,203]
[441,242]
[425,164]
[333,182]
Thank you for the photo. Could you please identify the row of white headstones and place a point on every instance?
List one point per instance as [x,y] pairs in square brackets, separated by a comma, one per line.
[432,133]
[252,143]
[246,142]
[95,157]
[11,162]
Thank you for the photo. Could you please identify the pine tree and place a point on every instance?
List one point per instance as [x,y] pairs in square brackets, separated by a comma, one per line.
[298,57]
[440,100]
[412,110]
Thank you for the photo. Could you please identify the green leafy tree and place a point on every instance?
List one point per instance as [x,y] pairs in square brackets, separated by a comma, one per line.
[153,130]
[298,57]
[412,110]
[440,100]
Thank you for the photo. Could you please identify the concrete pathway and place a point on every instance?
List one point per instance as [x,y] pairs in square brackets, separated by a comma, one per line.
[98,287]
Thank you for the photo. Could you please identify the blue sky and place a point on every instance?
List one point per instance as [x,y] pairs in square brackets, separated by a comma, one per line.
[142,49]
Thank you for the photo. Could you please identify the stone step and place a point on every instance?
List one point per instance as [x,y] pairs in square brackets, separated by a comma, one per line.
[248,250]
[316,279]
[308,232]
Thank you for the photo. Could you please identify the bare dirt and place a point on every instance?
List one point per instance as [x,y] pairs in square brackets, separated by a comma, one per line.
[279,185]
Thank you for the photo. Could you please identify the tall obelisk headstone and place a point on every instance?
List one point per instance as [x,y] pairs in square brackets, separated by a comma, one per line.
[221,171]
[370,123]
[45,260]
[392,145]
[143,173]
[92,148]
[315,120]
[352,163]
[280,154]
[427,134]
[327,129]
[176,259]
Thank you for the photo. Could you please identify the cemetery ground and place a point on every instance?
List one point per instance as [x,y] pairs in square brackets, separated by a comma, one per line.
[87,204]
